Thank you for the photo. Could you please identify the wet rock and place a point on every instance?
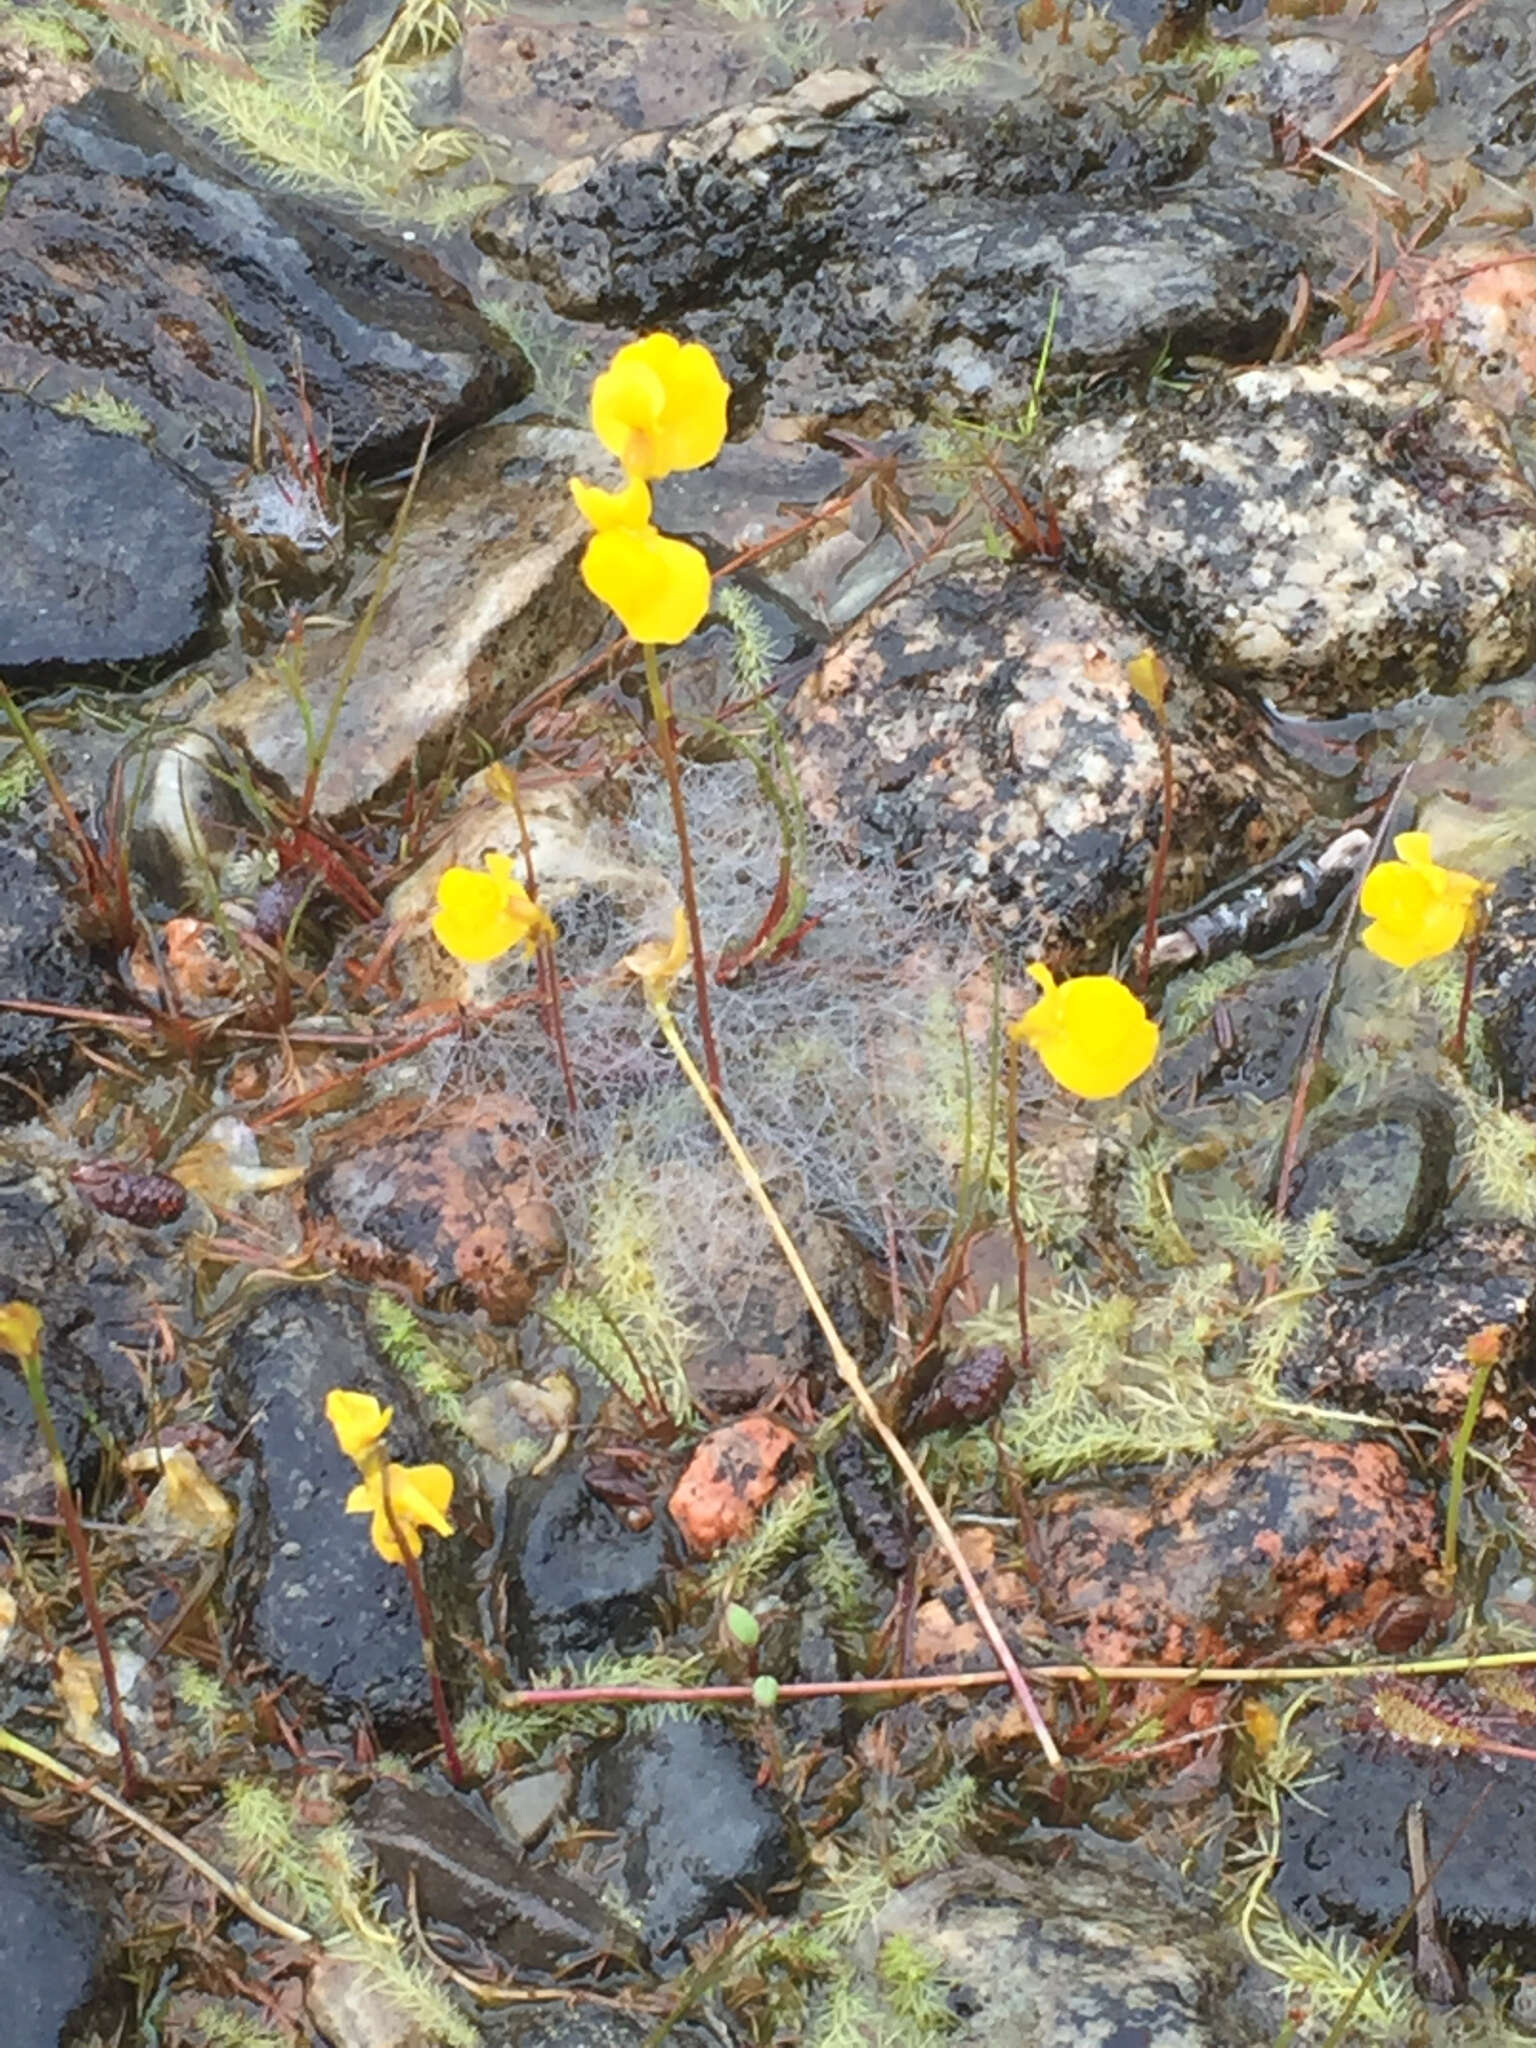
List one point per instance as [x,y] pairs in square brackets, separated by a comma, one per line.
[1298,1542]
[528,1807]
[311,1598]
[840,251]
[1252,1043]
[446,1202]
[129,261]
[1329,537]
[1398,1344]
[1344,1857]
[1085,1944]
[105,551]
[1507,966]
[1383,1172]
[42,960]
[653,1785]
[350,2008]
[97,1287]
[579,1578]
[49,1946]
[589,2026]
[484,602]
[728,1478]
[1016,771]
[441,1848]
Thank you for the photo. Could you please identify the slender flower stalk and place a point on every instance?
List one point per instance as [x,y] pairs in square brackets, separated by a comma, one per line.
[666,746]
[1456,1051]
[1020,1241]
[418,1585]
[1483,1351]
[1149,678]
[505,783]
[21,1334]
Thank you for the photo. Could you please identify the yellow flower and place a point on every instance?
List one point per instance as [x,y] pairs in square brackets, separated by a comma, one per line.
[21,1330]
[1420,909]
[660,405]
[608,509]
[658,962]
[420,1496]
[658,586]
[358,1420]
[485,912]
[1092,1035]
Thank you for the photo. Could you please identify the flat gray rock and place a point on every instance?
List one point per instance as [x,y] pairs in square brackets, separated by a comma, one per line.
[1329,538]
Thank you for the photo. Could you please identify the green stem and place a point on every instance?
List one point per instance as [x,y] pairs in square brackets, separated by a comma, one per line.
[1164,843]
[32,1372]
[666,746]
[1016,1222]
[1459,1448]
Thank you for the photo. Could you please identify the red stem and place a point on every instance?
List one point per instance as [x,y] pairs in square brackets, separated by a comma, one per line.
[661,712]
[418,1586]
[1160,864]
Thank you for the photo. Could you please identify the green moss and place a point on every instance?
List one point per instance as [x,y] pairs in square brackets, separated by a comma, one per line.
[419,1360]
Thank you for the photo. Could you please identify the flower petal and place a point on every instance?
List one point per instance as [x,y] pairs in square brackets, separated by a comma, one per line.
[1092,1035]
[607,509]
[21,1330]
[659,587]
[358,1420]
[660,405]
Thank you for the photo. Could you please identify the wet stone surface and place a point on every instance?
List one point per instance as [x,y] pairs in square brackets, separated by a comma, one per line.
[840,250]
[49,1946]
[1508,967]
[654,1786]
[1015,772]
[42,960]
[105,551]
[445,1202]
[311,1598]
[1328,537]
[1398,1344]
[97,1286]
[579,1579]
[124,263]
[1383,1173]
[1091,1949]
[1344,1859]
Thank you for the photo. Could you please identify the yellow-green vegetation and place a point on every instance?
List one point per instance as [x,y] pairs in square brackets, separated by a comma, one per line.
[100,408]
[318,1871]
[492,1735]
[419,1359]
[299,118]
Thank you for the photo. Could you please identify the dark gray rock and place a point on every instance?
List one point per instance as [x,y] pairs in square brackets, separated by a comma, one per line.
[840,251]
[1093,1948]
[579,1579]
[1383,1172]
[703,1836]
[49,1946]
[97,1285]
[1251,1044]
[442,1848]
[1507,966]
[1344,1858]
[42,960]
[105,552]
[1329,537]
[582,2026]
[980,733]
[1398,1344]
[127,261]
[312,1599]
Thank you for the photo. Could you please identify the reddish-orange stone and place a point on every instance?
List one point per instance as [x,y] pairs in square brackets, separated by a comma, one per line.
[730,1475]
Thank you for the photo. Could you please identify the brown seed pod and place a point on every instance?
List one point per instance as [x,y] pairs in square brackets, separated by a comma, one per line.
[123,1191]
[969,1389]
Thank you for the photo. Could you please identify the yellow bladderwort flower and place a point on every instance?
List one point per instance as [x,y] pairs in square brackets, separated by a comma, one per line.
[659,587]
[21,1330]
[1092,1035]
[660,405]
[1420,909]
[484,912]
[358,1420]
[420,1496]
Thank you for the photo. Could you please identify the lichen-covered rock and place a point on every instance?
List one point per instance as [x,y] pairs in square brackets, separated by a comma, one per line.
[1507,966]
[842,251]
[980,733]
[446,1202]
[42,960]
[1083,1944]
[1398,1344]
[1330,538]
[1382,1172]
[128,262]
[1297,1542]
[105,551]
[483,602]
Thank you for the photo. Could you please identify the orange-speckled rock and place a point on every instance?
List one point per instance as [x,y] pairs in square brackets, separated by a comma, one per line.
[728,1478]
[447,1202]
[1293,1544]
[191,967]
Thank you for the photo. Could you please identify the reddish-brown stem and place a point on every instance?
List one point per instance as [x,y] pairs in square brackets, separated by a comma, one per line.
[666,746]
[1016,1222]
[418,1586]
[548,973]
[69,1512]
[1160,864]
[1457,1049]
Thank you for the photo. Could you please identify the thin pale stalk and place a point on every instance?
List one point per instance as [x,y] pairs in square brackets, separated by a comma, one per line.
[418,1586]
[851,1377]
[32,1371]
[1461,1444]
[1160,863]
[1016,1222]
[87,1788]
[666,746]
